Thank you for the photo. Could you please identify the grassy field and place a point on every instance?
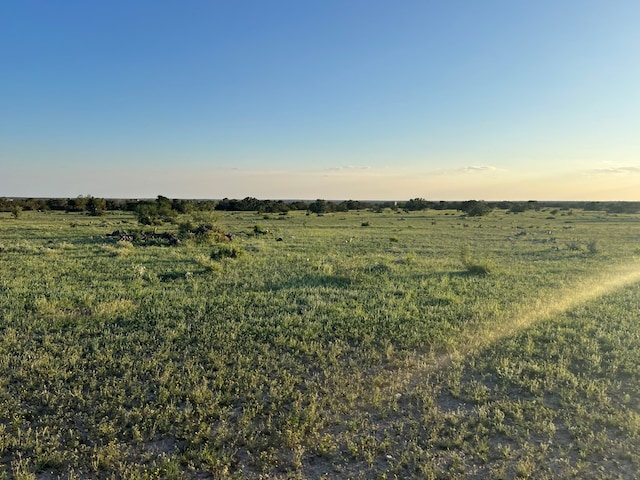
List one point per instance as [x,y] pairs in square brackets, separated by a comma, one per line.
[349,345]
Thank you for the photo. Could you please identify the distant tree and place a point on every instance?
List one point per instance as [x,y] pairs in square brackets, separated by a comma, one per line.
[533,205]
[57,204]
[319,206]
[502,205]
[340,207]
[299,205]
[96,206]
[475,208]
[78,204]
[518,207]
[223,204]
[271,206]
[623,207]
[5,204]
[31,203]
[116,204]
[147,213]
[164,205]
[417,204]
[247,204]
[16,211]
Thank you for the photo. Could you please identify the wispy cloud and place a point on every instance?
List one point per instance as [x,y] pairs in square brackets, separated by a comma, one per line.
[477,169]
[348,168]
[615,170]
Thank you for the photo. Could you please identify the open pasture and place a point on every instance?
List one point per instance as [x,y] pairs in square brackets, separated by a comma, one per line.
[348,345]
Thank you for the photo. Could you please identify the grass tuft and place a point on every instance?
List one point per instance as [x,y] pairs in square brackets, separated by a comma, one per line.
[226,251]
[473,266]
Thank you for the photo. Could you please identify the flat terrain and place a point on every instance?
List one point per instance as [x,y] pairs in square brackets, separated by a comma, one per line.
[349,345]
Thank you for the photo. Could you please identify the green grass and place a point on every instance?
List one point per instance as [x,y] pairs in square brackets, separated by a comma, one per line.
[325,350]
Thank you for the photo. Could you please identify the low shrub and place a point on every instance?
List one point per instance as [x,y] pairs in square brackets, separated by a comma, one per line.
[573,245]
[122,248]
[473,266]
[208,264]
[479,269]
[203,232]
[226,251]
[16,211]
[260,230]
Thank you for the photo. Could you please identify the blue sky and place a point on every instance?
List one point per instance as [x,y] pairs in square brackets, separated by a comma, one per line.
[321,99]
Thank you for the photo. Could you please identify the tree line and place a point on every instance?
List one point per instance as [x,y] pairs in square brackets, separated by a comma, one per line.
[161,209]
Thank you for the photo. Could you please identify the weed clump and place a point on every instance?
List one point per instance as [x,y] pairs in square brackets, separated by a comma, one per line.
[378,268]
[259,230]
[573,245]
[473,266]
[478,269]
[592,247]
[207,263]
[120,249]
[203,233]
[226,251]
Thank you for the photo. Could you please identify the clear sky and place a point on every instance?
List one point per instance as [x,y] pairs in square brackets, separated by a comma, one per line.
[367,99]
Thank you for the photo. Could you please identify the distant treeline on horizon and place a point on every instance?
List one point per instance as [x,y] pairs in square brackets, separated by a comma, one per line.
[165,208]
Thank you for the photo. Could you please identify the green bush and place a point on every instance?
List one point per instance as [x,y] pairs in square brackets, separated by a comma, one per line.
[259,230]
[202,233]
[226,251]
[16,211]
